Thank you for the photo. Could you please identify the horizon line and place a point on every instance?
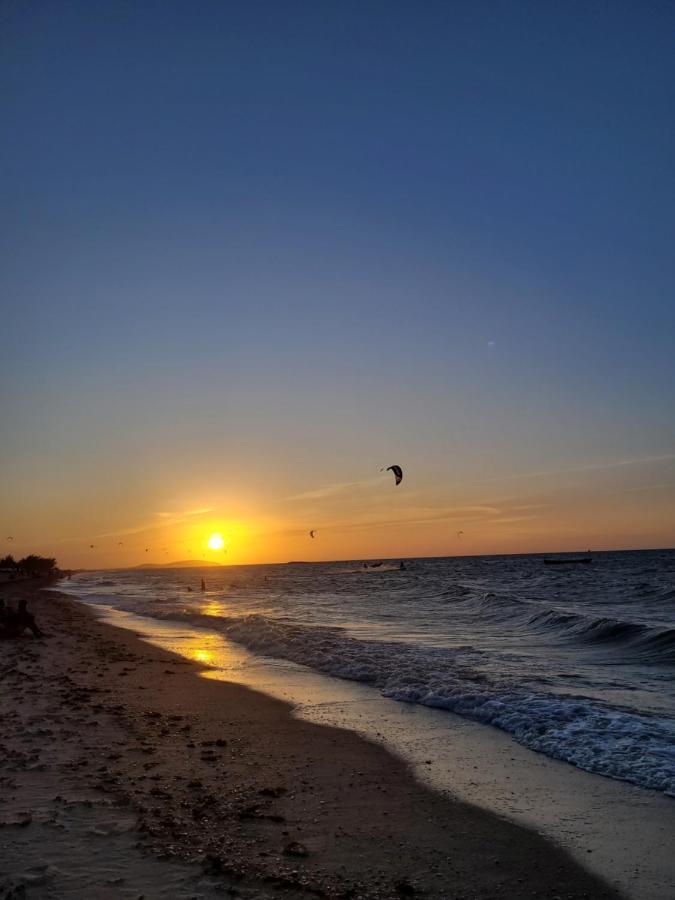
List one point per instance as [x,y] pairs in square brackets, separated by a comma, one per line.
[319,562]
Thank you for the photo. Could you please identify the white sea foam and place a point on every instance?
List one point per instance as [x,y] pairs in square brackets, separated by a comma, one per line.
[585,733]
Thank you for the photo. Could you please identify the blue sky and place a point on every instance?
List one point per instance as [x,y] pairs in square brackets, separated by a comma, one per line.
[250,250]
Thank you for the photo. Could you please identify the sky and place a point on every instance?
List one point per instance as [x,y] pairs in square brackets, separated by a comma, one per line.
[254,252]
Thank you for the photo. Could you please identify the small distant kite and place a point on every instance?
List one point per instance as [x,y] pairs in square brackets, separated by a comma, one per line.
[459,535]
[120,544]
[147,549]
[10,538]
[92,546]
[398,472]
[312,533]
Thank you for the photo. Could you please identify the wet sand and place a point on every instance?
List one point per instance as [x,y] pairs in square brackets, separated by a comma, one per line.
[124,773]
[621,833]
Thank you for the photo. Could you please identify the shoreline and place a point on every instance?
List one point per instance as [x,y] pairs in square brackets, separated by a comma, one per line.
[616,830]
[224,786]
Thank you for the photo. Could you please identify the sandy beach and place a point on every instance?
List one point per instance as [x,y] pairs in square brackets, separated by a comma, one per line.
[125,774]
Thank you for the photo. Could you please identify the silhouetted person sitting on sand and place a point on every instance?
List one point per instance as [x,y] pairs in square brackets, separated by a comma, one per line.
[13,623]
[7,619]
[23,619]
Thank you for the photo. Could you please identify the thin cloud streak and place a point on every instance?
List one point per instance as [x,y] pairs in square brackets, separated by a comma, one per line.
[188,512]
[137,529]
[331,490]
[663,486]
[166,519]
[460,514]
[594,467]
[508,520]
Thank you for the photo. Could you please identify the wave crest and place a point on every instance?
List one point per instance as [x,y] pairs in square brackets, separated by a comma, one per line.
[610,742]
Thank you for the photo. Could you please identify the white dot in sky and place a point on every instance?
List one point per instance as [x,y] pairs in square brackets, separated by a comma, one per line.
[491,343]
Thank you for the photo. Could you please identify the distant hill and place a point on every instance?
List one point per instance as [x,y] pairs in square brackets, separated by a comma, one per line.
[181,564]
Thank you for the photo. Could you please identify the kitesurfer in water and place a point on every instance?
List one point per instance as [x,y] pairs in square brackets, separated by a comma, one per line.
[203,587]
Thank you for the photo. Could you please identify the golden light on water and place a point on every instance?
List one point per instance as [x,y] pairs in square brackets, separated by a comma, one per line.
[216,541]
[212,607]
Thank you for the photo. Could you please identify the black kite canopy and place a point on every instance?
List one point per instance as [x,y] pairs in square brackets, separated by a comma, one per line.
[398,473]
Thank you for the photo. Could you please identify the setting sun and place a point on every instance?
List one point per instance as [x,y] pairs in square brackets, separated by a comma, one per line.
[216,541]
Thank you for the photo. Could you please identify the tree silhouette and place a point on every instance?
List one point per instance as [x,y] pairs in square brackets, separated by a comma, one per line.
[37,565]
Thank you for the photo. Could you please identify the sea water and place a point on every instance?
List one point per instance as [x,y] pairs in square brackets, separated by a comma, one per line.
[575,662]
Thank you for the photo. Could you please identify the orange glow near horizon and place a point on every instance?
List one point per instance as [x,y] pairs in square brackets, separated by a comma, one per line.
[618,508]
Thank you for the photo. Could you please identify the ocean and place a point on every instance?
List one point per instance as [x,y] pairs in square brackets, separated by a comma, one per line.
[575,662]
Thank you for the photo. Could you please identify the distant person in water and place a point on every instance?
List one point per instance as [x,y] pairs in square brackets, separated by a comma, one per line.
[403,566]
[203,585]
[189,588]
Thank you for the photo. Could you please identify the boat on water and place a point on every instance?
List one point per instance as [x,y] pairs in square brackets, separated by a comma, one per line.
[570,560]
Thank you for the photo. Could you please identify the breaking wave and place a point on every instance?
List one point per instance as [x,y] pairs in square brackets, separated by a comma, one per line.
[603,740]
[643,642]
[646,642]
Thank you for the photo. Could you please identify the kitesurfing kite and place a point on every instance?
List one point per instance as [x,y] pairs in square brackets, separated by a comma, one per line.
[10,538]
[92,546]
[120,544]
[398,473]
[312,534]
[459,535]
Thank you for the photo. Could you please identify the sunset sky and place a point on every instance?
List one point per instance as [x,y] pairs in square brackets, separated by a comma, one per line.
[254,252]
